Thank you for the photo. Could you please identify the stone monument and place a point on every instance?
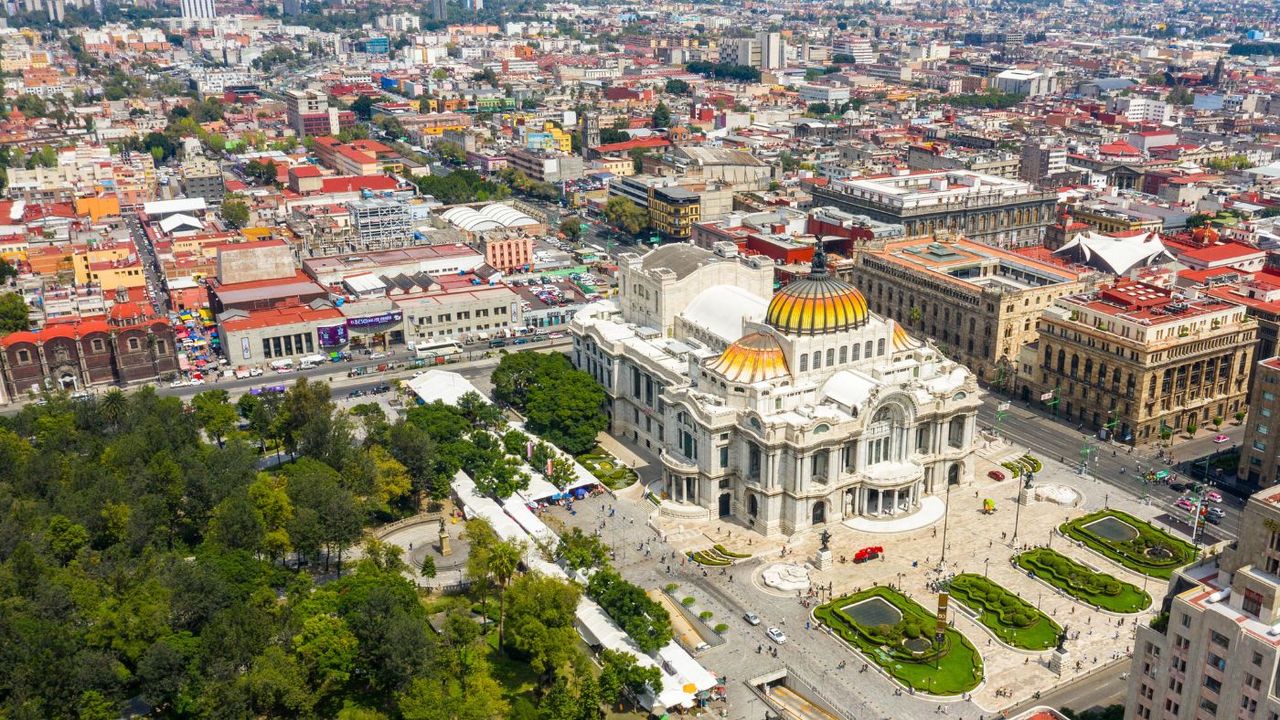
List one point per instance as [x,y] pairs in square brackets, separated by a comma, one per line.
[1024,492]
[823,560]
[444,540]
[1058,658]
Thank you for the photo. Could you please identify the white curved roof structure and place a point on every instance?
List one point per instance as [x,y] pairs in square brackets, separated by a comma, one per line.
[1118,255]
[489,217]
[722,310]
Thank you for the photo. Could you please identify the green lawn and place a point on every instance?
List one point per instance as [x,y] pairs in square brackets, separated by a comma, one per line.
[1097,589]
[959,669]
[607,469]
[1014,620]
[1133,554]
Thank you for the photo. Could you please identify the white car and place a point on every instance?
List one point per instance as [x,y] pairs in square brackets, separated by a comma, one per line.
[751,618]
[255,371]
[776,635]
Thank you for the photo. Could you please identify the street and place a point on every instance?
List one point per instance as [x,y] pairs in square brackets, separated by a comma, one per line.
[1050,438]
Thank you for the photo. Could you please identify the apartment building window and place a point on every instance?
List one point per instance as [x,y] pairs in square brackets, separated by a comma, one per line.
[1209,705]
[24,357]
[1252,682]
[1186,621]
[97,345]
[1219,639]
[1175,685]
[1214,684]
[134,344]
[1252,604]
[1216,661]
[1257,658]
[724,456]
[1171,707]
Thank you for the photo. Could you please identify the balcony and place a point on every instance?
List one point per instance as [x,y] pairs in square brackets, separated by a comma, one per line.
[678,463]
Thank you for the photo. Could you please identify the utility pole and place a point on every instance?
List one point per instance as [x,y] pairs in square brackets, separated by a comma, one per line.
[946,514]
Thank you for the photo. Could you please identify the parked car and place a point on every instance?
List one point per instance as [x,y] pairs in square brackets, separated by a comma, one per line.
[776,635]
[355,393]
[751,618]
[255,372]
[995,475]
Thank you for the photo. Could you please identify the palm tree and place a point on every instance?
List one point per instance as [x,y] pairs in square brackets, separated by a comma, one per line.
[113,406]
[504,559]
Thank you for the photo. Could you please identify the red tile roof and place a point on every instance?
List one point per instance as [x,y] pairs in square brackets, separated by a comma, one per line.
[259,319]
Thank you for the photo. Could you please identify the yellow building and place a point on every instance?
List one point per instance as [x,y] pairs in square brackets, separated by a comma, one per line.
[673,211]
[111,267]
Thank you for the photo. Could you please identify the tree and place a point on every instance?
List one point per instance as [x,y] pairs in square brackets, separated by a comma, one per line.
[676,86]
[818,109]
[236,213]
[214,413]
[1240,416]
[636,613]
[620,672]
[13,314]
[363,107]
[581,551]
[572,228]
[1217,422]
[448,698]
[661,116]
[540,618]
[327,648]
[504,560]
[559,402]
[7,271]
[428,567]
[1199,220]
[625,214]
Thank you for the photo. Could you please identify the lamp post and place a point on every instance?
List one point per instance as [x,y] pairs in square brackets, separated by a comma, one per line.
[946,514]
[985,563]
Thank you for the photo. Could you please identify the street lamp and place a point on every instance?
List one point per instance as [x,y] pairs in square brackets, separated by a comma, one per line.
[946,515]
[985,563]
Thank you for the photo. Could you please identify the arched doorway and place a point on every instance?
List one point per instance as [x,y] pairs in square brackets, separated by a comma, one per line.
[819,513]
[725,502]
[953,475]
[67,381]
[753,506]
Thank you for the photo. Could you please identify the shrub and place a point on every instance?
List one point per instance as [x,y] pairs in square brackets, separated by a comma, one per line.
[720,628]
[687,601]
[705,615]
[670,587]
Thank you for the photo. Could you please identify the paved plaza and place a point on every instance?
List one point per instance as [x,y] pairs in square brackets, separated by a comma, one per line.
[976,543]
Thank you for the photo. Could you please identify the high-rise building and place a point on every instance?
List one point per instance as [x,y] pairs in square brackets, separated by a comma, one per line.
[439,10]
[1213,652]
[1260,451]
[773,50]
[199,10]
[748,52]
[588,131]
[308,113]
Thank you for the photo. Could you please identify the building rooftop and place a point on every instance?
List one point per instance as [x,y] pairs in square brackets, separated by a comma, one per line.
[258,319]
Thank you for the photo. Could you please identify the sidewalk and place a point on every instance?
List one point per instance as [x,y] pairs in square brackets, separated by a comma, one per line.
[630,455]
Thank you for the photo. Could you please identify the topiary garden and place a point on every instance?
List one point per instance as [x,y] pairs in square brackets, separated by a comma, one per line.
[1014,620]
[607,469]
[907,649]
[1149,550]
[1095,588]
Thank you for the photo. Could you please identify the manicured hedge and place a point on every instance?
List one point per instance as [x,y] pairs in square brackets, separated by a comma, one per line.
[1097,589]
[1014,620]
[1131,553]
[959,666]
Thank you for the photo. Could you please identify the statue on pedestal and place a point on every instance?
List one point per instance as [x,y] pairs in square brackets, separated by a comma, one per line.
[826,540]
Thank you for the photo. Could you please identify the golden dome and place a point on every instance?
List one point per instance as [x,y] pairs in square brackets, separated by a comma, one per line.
[751,359]
[901,339]
[817,304]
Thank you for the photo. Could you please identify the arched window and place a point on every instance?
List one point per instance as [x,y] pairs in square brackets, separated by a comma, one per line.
[1062,360]
[844,354]
[1088,369]
[831,356]
[857,351]
[753,506]
[1075,364]
[804,362]
[1048,355]
[867,350]
[880,347]
[817,359]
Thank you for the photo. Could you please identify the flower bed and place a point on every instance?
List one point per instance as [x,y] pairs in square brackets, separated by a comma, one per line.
[1023,465]
[1014,620]
[1097,589]
[1153,552]
[607,469]
[959,666]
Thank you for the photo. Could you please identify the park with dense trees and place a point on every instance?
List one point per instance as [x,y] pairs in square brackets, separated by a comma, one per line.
[209,560]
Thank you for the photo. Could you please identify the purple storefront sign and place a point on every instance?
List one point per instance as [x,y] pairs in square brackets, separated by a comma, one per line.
[375,319]
[332,336]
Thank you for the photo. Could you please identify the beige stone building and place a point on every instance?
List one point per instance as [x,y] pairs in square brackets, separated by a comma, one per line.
[978,303]
[1216,655]
[1137,358]
[1260,452]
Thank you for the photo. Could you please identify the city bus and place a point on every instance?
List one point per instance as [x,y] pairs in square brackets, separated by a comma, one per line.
[437,348]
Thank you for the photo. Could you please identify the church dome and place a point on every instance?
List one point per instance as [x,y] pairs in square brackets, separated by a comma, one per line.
[751,359]
[817,304]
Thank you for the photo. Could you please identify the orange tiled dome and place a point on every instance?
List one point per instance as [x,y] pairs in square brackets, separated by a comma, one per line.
[751,359]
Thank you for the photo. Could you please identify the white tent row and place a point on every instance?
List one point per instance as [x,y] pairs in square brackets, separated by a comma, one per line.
[582,476]
[679,669]
[516,507]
